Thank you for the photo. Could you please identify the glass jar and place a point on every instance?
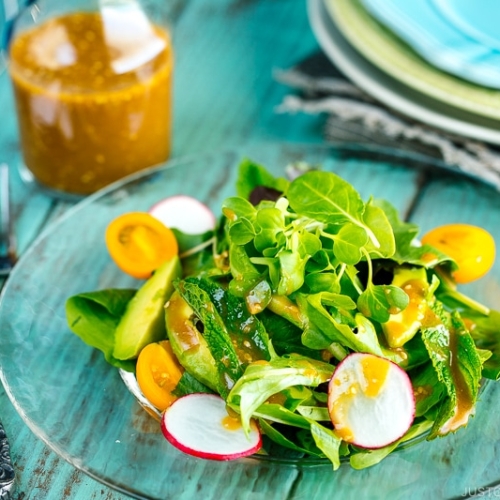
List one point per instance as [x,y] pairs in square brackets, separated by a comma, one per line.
[93,87]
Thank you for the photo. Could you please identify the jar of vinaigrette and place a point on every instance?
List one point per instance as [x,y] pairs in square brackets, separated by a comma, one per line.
[93,90]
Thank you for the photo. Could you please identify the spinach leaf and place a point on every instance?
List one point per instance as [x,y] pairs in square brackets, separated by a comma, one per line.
[407,248]
[404,232]
[94,316]
[242,231]
[235,208]
[375,218]
[328,198]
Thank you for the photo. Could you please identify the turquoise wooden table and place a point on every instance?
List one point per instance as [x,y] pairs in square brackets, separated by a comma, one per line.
[226,98]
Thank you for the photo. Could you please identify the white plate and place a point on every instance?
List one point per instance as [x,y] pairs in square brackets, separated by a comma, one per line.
[392,92]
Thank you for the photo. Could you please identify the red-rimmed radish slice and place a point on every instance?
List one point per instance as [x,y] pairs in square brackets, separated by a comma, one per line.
[184,213]
[370,401]
[198,424]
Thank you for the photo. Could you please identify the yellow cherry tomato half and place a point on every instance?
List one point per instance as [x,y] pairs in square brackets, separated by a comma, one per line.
[472,247]
[158,372]
[139,243]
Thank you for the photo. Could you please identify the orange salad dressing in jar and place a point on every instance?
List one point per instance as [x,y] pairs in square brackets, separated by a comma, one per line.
[93,98]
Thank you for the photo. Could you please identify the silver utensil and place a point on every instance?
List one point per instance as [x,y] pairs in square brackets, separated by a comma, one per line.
[7,474]
[8,255]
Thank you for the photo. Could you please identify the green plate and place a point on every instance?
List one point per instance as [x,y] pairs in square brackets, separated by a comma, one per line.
[389,53]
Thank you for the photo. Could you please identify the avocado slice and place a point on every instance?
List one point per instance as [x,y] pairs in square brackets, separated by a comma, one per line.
[143,321]
[403,325]
[187,342]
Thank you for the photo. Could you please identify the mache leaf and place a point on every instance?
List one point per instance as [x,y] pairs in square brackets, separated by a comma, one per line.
[263,379]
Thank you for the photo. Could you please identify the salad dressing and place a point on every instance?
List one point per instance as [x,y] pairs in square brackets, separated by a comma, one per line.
[242,335]
[187,334]
[277,399]
[93,98]
[421,392]
[281,304]
[410,319]
[339,410]
[464,406]
[375,372]
[231,423]
[429,258]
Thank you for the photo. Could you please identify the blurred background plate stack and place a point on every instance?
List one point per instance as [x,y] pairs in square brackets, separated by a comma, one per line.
[437,61]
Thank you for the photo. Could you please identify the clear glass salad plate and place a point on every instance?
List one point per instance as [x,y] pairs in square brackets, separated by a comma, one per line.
[77,403]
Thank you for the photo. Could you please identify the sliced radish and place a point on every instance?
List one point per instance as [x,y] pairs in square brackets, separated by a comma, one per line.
[370,401]
[198,424]
[184,213]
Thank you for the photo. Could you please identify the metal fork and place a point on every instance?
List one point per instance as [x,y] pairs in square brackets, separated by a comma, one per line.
[8,256]
[7,474]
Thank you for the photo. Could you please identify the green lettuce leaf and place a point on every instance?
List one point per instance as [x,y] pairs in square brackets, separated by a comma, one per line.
[263,379]
[94,316]
[328,442]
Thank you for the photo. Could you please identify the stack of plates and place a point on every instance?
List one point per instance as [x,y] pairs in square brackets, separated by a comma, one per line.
[437,61]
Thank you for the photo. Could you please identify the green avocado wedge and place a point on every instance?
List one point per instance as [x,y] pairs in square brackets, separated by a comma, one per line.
[143,321]
[188,343]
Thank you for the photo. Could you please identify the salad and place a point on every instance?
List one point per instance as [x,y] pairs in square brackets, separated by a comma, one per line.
[304,322]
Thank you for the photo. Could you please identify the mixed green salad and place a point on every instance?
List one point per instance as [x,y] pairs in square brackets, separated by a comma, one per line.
[296,277]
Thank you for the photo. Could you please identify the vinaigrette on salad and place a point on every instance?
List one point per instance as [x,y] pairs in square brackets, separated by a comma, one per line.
[306,322]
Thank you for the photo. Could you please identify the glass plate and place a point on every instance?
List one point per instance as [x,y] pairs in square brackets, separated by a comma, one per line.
[386,51]
[77,404]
